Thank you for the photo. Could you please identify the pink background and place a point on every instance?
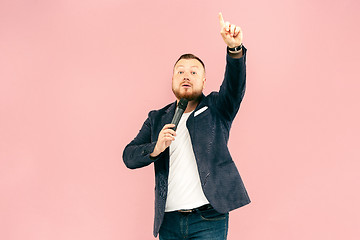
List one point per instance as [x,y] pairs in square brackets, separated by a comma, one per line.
[77,79]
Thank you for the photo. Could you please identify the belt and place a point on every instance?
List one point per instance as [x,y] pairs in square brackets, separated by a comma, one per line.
[201,208]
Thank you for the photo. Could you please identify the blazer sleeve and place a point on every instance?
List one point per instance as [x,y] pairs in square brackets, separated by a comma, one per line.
[137,153]
[232,89]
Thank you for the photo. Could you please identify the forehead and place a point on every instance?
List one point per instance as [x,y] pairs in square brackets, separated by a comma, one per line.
[187,63]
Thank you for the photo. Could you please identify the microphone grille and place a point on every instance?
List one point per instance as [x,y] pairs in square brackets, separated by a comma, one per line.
[183,103]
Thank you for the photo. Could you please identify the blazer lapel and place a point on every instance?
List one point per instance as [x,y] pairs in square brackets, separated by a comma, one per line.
[166,119]
[190,123]
[169,114]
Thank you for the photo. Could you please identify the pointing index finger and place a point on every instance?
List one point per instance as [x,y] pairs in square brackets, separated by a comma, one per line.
[221,19]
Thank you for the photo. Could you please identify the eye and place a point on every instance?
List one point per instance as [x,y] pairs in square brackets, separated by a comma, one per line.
[193,73]
[180,72]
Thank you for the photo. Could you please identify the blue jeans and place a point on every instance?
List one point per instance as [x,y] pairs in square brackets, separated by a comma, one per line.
[203,224]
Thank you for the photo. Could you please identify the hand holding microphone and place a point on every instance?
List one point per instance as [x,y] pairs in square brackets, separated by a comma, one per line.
[167,133]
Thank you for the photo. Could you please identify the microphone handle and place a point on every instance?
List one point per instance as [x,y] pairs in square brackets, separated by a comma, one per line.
[176,119]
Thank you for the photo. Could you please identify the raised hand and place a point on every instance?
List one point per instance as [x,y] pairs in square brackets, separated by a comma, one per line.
[231,33]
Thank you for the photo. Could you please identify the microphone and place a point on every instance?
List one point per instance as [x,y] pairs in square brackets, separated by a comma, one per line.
[179,112]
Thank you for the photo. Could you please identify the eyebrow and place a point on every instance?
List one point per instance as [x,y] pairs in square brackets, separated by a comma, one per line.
[183,66]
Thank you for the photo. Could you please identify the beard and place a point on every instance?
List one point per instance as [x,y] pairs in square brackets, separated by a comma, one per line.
[190,96]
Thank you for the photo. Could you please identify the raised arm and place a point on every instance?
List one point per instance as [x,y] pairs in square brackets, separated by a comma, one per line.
[232,88]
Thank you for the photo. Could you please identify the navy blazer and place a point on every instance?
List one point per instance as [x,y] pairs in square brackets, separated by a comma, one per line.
[209,133]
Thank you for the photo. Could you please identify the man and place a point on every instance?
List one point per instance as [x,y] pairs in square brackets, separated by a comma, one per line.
[196,180]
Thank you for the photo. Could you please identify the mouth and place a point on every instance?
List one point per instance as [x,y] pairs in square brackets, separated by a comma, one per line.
[185,85]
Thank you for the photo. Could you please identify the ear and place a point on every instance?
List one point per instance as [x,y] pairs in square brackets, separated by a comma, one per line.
[204,81]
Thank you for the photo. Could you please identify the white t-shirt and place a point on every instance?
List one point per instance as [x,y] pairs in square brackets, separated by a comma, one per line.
[184,187]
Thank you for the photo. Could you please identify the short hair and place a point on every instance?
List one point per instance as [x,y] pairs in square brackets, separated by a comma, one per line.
[190,56]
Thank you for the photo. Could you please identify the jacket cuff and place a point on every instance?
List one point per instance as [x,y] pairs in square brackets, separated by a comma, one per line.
[235,60]
[148,150]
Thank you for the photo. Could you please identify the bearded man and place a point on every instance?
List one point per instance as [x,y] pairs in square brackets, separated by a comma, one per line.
[196,181]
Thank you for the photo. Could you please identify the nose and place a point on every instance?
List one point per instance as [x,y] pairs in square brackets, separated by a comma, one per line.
[186,76]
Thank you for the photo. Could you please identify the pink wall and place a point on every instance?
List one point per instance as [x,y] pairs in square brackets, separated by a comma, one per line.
[77,79]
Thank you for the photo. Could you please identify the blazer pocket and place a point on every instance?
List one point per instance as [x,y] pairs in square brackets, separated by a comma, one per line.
[201,110]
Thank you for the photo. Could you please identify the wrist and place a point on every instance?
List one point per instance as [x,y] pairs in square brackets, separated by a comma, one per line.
[155,152]
[235,50]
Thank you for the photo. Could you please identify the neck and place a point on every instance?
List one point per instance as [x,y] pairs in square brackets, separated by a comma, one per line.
[191,106]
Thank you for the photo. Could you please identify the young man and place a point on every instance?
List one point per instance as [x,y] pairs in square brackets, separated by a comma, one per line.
[196,180]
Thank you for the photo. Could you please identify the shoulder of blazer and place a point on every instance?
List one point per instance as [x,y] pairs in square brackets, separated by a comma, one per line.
[165,110]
